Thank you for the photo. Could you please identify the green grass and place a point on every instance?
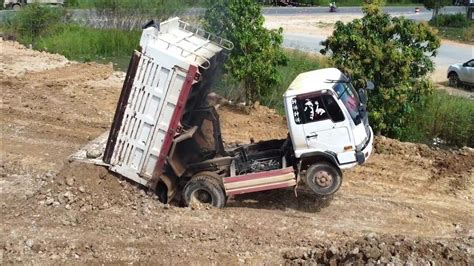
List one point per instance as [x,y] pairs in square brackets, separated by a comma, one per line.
[86,44]
[464,34]
[450,118]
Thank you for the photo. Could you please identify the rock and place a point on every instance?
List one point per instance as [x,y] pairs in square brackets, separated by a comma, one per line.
[68,207]
[82,189]
[95,153]
[49,201]
[332,251]
[355,251]
[372,253]
[29,243]
[69,196]
[70,181]
[294,254]
[371,236]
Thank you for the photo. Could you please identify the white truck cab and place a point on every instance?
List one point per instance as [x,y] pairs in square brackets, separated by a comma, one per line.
[326,116]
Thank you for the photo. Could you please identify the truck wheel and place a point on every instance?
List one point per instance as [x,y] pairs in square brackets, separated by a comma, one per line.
[323,179]
[16,7]
[204,188]
[453,79]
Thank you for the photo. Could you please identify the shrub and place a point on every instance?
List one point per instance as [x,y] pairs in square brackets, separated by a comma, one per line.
[36,20]
[257,51]
[393,52]
[450,20]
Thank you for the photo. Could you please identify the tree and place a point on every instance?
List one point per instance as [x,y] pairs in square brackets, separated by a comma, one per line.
[436,5]
[257,51]
[393,52]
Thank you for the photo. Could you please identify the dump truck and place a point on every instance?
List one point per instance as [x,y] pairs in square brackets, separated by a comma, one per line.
[166,137]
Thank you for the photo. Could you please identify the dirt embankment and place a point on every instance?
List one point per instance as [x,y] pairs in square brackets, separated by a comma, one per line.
[408,203]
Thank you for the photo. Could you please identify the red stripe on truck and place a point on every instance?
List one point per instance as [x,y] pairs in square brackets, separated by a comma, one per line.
[259,188]
[259,175]
[177,114]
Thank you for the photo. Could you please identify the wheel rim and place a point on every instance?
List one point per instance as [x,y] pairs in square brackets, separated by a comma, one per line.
[201,196]
[453,80]
[323,179]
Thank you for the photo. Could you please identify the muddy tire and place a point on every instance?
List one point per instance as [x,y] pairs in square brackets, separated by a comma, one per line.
[16,7]
[323,179]
[453,79]
[204,188]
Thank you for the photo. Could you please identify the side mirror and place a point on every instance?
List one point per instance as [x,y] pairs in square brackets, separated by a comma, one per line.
[363,96]
[465,64]
[370,85]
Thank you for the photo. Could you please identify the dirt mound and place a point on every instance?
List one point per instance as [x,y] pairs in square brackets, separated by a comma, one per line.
[239,127]
[455,167]
[385,249]
[87,187]
[16,59]
[389,146]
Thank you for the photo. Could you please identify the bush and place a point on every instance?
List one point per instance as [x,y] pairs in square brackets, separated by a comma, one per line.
[395,53]
[257,51]
[450,118]
[36,20]
[450,20]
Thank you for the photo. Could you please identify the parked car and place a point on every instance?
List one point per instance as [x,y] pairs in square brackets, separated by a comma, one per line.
[461,74]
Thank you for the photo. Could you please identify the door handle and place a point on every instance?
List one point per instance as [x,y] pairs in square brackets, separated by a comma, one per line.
[314,135]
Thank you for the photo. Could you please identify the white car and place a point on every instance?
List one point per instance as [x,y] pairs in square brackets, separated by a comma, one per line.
[461,74]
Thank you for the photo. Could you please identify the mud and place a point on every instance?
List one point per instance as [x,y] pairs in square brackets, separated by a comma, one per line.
[408,203]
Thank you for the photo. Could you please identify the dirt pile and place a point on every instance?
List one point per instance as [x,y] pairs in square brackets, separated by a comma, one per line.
[238,126]
[17,60]
[374,249]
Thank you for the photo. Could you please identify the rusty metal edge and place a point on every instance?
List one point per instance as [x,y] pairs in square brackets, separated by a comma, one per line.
[121,105]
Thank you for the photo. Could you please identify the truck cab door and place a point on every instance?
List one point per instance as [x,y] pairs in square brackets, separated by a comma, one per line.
[467,72]
[325,127]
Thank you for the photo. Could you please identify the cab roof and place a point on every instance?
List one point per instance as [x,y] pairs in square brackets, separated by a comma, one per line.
[313,81]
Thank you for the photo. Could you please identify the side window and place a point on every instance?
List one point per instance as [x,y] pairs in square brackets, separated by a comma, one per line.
[333,108]
[308,110]
[470,63]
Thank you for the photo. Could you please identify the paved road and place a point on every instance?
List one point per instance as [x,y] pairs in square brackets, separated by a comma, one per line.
[449,53]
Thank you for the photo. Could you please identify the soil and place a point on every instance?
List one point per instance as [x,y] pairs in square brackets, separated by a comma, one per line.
[408,203]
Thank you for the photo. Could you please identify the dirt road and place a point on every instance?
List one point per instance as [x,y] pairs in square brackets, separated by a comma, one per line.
[409,203]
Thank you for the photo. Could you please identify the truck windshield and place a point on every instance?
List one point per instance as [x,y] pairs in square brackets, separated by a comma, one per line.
[349,97]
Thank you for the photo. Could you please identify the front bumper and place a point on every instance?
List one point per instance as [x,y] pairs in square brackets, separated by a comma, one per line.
[364,154]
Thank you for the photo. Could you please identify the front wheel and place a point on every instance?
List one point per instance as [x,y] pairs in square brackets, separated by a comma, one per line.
[203,188]
[453,80]
[323,178]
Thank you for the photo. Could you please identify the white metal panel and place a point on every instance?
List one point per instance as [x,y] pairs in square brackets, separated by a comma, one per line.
[147,116]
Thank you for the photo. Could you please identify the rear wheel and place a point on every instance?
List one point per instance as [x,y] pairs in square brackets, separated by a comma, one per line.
[453,79]
[323,178]
[16,7]
[204,188]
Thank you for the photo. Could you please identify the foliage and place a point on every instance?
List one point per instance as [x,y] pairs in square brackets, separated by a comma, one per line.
[436,5]
[35,20]
[257,51]
[298,62]
[450,20]
[393,52]
[450,118]
[86,44]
